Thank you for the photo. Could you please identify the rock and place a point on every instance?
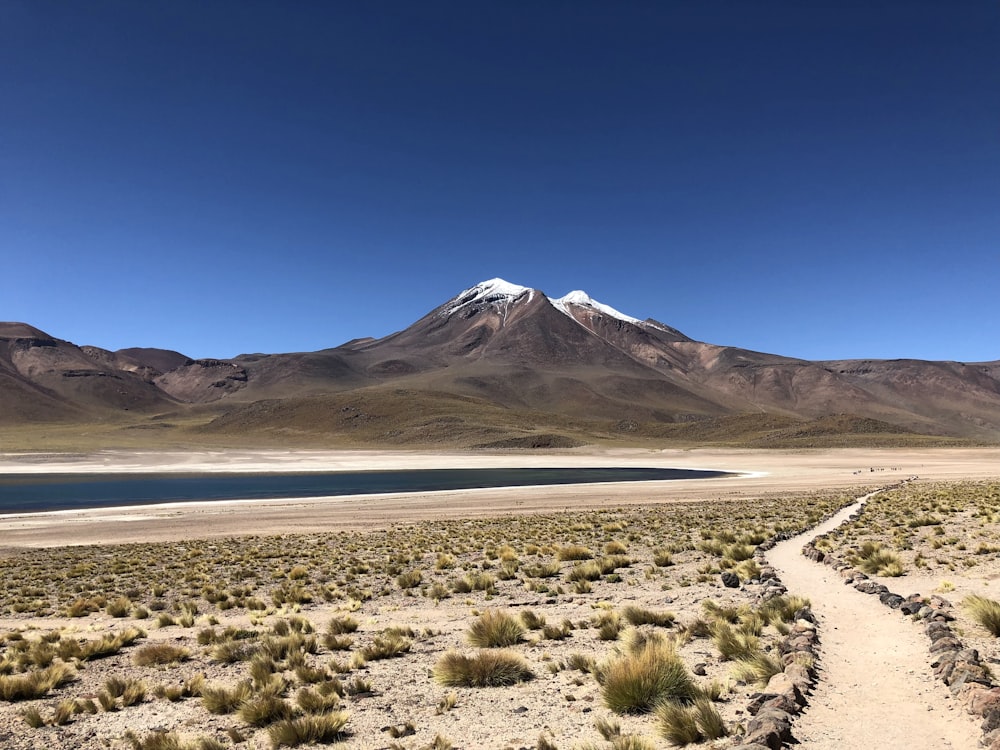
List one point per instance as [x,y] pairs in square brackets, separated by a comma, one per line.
[770,728]
[991,720]
[784,703]
[805,613]
[799,676]
[937,630]
[911,608]
[800,658]
[946,644]
[730,580]
[982,701]
[944,665]
[793,644]
[969,655]
[976,698]
[781,684]
[965,673]
[757,701]
[891,600]
[871,587]
[700,669]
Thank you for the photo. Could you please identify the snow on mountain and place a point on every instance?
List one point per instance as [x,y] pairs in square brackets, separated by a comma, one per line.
[487,292]
[503,294]
[582,299]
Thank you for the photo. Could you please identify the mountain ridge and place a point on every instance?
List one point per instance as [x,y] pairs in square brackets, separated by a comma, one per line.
[556,361]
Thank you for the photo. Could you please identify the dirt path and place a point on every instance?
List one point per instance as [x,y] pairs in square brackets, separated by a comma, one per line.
[875,687]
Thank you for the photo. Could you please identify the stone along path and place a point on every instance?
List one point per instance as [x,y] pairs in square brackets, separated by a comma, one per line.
[875,686]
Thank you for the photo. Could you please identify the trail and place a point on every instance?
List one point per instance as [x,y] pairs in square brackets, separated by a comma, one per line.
[875,686]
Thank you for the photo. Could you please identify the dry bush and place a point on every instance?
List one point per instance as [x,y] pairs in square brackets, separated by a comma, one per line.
[639,682]
[31,685]
[312,728]
[495,629]
[489,668]
[154,654]
[757,668]
[639,616]
[874,559]
[574,552]
[386,646]
[984,611]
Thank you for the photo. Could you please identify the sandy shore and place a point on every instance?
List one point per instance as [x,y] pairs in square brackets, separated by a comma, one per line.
[758,472]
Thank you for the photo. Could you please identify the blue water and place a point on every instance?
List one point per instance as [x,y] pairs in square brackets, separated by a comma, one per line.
[34,493]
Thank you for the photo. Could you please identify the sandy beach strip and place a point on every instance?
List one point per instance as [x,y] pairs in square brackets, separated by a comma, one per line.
[755,473]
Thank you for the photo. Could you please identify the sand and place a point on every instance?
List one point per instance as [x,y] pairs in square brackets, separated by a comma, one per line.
[758,473]
[876,689]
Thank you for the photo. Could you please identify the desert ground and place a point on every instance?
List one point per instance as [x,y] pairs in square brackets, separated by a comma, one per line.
[264,624]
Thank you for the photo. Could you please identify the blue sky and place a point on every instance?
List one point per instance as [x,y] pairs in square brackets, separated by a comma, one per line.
[816,179]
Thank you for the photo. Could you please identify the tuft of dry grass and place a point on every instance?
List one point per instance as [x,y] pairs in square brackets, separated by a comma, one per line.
[984,611]
[639,682]
[639,616]
[35,684]
[219,699]
[574,552]
[312,728]
[156,654]
[757,668]
[495,629]
[489,668]
[386,646]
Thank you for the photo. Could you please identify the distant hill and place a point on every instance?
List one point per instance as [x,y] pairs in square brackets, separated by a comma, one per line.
[501,365]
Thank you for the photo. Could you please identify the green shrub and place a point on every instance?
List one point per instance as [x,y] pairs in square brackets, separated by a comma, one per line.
[532,621]
[409,579]
[684,725]
[261,710]
[342,625]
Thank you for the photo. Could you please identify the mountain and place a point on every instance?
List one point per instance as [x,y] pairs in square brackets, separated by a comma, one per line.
[501,364]
[43,378]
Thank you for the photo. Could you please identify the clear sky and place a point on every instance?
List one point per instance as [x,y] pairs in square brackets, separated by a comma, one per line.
[815,179]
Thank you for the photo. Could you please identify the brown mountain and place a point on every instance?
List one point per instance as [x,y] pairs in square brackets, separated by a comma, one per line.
[43,378]
[501,364]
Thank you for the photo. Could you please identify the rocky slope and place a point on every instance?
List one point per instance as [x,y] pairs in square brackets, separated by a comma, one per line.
[501,346]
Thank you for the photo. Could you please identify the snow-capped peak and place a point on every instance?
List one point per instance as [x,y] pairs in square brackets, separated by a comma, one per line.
[496,288]
[582,299]
[490,291]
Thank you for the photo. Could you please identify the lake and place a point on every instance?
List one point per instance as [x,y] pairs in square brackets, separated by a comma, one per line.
[45,492]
